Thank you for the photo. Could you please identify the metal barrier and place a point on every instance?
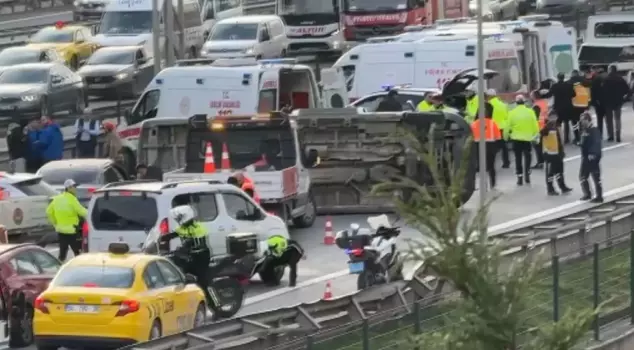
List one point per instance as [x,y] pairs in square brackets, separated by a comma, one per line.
[567,235]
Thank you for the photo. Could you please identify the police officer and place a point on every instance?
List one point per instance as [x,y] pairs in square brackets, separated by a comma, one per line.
[563,93]
[194,242]
[553,150]
[472,104]
[390,103]
[65,214]
[426,105]
[283,252]
[500,117]
[590,159]
[523,130]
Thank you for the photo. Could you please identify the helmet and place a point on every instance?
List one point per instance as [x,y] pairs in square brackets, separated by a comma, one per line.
[108,126]
[182,214]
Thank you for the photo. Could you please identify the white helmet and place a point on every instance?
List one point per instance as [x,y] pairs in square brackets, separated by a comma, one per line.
[182,214]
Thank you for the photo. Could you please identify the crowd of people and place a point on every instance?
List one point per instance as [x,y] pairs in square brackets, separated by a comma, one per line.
[34,143]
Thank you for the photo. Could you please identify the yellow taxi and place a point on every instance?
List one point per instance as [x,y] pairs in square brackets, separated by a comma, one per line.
[114,299]
[73,43]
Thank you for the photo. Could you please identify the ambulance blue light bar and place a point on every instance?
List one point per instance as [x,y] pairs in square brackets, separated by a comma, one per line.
[278,61]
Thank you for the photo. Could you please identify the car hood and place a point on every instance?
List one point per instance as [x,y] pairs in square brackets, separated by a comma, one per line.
[121,40]
[101,69]
[56,46]
[229,44]
[19,89]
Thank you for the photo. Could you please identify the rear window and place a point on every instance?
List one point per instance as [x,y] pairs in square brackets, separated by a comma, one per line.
[35,187]
[124,213]
[58,176]
[98,276]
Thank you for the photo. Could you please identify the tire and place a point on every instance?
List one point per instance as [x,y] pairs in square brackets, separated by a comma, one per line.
[156,331]
[274,278]
[308,219]
[230,295]
[21,332]
[74,63]
[78,107]
[365,280]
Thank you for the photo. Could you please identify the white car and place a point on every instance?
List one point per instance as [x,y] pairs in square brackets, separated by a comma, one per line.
[125,211]
[405,93]
[259,36]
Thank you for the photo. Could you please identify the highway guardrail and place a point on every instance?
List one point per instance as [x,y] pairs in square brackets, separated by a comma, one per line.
[302,324]
[16,6]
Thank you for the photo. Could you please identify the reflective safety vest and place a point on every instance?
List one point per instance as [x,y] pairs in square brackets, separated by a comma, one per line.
[550,142]
[500,112]
[425,106]
[472,107]
[195,235]
[277,245]
[492,132]
[582,96]
[64,212]
[247,185]
[543,111]
[523,124]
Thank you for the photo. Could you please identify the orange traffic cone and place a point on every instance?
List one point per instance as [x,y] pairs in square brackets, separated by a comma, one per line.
[225,163]
[329,238]
[327,292]
[210,166]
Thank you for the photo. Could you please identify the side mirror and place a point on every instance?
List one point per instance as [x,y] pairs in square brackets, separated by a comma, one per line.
[410,105]
[190,279]
[312,158]
[56,81]
[141,61]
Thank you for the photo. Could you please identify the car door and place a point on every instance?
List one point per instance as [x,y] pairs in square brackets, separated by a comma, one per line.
[158,296]
[27,275]
[242,214]
[264,39]
[84,46]
[176,299]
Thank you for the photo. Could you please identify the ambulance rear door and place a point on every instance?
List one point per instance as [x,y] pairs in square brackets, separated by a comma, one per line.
[561,50]
[384,64]
[269,94]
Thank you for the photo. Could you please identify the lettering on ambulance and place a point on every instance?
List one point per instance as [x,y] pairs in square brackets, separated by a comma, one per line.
[442,75]
[269,84]
[501,53]
[128,133]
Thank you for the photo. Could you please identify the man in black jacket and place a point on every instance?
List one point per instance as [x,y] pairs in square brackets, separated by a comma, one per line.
[596,90]
[590,159]
[18,147]
[615,90]
[390,103]
[563,92]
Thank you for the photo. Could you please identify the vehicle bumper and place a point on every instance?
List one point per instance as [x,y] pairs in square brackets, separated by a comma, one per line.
[218,55]
[81,342]
[323,46]
[108,88]
[20,110]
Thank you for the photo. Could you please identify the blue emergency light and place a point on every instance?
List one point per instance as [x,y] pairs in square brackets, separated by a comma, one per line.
[387,87]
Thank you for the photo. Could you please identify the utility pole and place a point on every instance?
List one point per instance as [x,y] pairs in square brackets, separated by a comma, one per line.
[165,44]
[156,36]
[482,142]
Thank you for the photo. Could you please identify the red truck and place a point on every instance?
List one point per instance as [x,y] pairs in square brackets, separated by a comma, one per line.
[363,19]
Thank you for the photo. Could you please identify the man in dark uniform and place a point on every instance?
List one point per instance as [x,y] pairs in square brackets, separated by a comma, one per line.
[615,90]
[390,103]
[596,90]
[563,92]
[590,159]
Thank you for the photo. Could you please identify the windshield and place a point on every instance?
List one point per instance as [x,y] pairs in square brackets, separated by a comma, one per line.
[101,276]
[57,176]
[35,187]
[234,31]
[373,5]
[10,57]
[606,55]
[124,212]
[264,149]
[24,76]
[225,5]
[614,30]
[53,35]
[111,57]
[126,22]
[298,7]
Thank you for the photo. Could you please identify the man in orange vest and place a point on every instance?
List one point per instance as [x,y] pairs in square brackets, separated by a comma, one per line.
[245,183]
[540,107]
[492,136]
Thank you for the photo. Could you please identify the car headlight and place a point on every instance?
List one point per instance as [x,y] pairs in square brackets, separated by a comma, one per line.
[29,98]
[249,51]
[121,76]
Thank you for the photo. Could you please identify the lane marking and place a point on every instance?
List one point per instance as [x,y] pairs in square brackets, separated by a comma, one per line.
[274,293]
[604,149]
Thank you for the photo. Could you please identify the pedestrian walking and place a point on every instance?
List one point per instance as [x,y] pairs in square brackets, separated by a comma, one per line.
[492,136]
[591,144]
[18,147]
[87,131]
[553,150]
[51,141]
[562,92]
[523,130]
[500,117]
[615,91]
[65,214]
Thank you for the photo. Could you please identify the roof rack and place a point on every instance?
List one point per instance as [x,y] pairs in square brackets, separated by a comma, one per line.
[177,183]
[128,182]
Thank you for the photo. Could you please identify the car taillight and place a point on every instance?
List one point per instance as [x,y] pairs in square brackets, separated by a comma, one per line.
[128,306]
[84,235]
[40,304]
[164,227]
[91,190]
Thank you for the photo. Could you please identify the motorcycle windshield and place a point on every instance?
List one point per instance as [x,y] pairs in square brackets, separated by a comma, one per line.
[151,244]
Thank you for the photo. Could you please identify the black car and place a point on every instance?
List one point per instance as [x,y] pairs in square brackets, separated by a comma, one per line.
[117,71]
[36,89]
[12,56]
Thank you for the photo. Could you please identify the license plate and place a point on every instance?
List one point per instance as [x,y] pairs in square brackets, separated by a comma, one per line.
[356,267]
[82,309]
[6,108]
[97,86]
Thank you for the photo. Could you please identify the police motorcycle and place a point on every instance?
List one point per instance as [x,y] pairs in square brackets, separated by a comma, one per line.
[227,292]
[374,257]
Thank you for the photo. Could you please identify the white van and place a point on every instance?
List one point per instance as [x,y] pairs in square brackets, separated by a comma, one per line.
[129,22]
[259,36]
[217,10]
[427,63]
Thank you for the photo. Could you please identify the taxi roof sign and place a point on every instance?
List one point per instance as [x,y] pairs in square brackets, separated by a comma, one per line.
[118,248]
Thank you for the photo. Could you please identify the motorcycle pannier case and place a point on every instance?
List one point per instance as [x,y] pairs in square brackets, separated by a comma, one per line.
[242,244]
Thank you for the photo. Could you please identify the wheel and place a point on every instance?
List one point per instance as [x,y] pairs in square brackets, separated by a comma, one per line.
[310,214]
[44,107]
[200,316]
[272,278]
[74,63]
[78,107]
[22,328]
[155,331]
[365,279]
[229,294]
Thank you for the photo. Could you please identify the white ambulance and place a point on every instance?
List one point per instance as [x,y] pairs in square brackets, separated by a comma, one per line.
[231,87]
[428,63]
[129,22]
